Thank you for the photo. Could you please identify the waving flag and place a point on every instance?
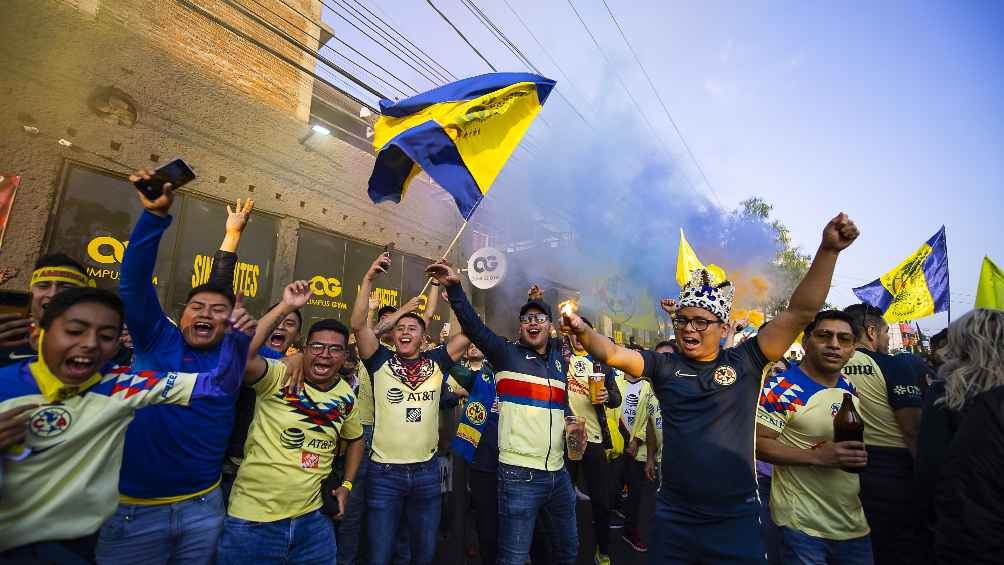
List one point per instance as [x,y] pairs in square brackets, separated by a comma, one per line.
[990,292]
[687,262]
[916,288]
[461,134]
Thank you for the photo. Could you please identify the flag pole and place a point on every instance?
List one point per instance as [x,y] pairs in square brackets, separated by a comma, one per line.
[456,238]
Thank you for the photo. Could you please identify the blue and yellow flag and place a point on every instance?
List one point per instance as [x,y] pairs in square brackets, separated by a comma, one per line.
[461,134]
[916,288]
[990,292]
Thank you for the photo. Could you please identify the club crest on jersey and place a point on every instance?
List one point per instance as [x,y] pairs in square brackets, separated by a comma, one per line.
[725,375]
[834,408]
[412,374]
[309,460]
[581,367]
[476,413]
[50,421]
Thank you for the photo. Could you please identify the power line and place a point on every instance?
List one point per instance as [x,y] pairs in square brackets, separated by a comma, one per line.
[379,31]
[316,54]
[627,91]
[662,103]
[378,42]
[408,41]
[462,36]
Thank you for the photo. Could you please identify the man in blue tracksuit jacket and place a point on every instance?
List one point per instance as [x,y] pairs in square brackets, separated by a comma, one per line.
[171,508]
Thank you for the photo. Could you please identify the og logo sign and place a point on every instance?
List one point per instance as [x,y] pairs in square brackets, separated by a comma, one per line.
[486,268]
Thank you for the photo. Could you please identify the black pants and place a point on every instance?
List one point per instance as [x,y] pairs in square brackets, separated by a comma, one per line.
[634,472]
[891,507]
[597,470]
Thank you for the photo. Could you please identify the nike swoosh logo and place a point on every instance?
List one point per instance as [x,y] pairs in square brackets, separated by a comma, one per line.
[529,357]
[14,357]
[679,374]
[36,451]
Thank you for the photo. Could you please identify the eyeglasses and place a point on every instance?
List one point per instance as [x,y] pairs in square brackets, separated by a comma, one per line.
[843,338]
[319,348]
[699,324]
[539,318]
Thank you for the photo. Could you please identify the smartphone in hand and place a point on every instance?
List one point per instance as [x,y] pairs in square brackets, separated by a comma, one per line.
[177,172]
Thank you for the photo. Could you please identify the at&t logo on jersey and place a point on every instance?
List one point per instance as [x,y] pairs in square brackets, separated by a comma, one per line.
[50,421]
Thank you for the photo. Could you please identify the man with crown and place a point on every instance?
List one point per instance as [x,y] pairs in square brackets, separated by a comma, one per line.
[707,509]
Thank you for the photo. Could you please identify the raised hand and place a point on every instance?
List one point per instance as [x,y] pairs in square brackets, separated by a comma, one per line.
[380,266]
[237,217]
[14,330]
[296,294]
[668,305]
[412,304]
[7,273]
[374,302]
[839,234]
[443,273]
[572,323]
[14,425]
[240,319]
[162,204]
[292,381]
[535,293]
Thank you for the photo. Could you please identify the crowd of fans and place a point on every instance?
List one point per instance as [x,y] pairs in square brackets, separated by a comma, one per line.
[225,438]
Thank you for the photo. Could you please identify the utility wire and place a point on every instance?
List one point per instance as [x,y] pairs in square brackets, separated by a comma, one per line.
[339,40]
[462,36]
[663,104]
[359,16]
[307,49]
[408,41]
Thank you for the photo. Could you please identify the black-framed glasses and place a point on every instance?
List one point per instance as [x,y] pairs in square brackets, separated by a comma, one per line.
[699,324]
[316,348]
[540,318]
[843,338]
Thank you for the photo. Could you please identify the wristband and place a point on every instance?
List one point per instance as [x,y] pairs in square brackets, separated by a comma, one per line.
[347,485]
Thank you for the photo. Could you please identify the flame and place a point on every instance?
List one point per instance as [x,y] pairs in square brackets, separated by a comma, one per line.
[568,307]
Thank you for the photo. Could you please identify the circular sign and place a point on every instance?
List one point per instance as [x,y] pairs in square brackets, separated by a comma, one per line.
[486,267]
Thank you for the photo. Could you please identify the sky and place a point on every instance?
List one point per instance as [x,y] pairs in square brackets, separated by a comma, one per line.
[888,111]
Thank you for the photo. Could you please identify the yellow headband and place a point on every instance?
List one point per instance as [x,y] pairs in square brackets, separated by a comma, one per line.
[64,274]
[53,389]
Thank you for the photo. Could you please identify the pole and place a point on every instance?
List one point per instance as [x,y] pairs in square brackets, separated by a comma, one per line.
[449,248]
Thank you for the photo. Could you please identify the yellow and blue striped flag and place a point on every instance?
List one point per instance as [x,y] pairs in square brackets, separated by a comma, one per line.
[461,134]
[916,288]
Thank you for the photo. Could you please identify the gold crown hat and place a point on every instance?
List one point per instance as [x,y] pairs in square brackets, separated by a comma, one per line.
[702,292]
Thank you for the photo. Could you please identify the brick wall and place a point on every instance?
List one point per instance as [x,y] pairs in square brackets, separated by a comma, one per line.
[242,140]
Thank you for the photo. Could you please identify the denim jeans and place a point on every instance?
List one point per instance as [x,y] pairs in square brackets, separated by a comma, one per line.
[799,548]
[523,493]
[306,539]
[351,529]
[181,533]
[408,492]
[678,538]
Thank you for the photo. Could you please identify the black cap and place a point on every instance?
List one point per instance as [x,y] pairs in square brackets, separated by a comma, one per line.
[538,304]
[385,309]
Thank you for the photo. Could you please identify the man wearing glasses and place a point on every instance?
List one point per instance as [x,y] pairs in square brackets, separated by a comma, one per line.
[707,510]
[275,505]
[530,380]
[813,500]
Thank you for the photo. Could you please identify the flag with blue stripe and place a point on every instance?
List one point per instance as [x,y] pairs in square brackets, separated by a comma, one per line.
[916,288]
[461,134]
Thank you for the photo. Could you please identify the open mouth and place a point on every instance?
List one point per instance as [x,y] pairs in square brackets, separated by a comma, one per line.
[80,365]
[533,332]
[405,339]
[203,329]
[691,342]
[321,370]
[277,339]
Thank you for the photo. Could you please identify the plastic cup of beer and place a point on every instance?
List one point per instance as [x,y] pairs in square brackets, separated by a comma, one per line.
[575,437]
[596,387]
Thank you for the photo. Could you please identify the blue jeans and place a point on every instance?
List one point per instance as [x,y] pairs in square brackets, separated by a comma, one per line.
[522,494]
[677,537]
[181,533]
[410,492]
[350,528]
[305,539]
[799,548]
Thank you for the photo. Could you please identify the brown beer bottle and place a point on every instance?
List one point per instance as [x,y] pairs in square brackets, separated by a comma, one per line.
[848,426]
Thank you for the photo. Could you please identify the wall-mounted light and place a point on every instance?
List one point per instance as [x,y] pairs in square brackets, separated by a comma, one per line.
[320,129]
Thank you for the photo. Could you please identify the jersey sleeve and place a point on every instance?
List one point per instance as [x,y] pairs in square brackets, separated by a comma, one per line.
[655,365]
[752,357]
[442,358]
[900,381]
[269,384]
[769,412]
[379,357]
[352,427]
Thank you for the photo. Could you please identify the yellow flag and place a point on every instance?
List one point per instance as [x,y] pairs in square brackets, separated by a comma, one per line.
[990,292]
[687,262]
